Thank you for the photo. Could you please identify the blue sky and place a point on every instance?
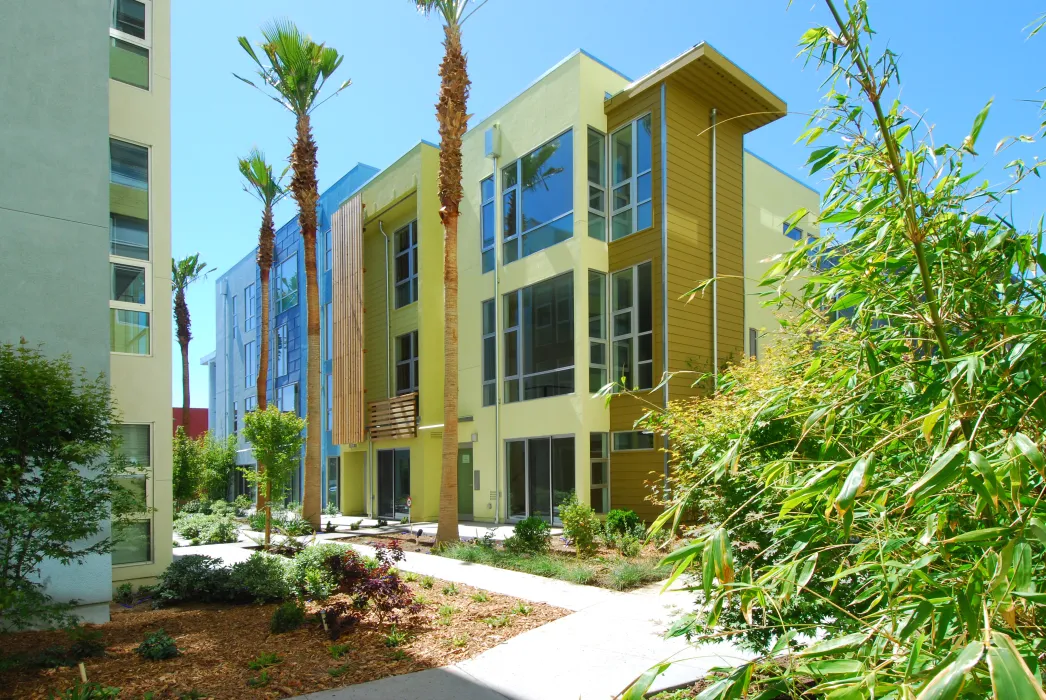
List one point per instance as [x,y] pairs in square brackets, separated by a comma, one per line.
[954,56]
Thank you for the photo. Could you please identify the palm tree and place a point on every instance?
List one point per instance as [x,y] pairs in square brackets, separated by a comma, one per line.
[294,71]
[452,116]
[260,182]
[183,273]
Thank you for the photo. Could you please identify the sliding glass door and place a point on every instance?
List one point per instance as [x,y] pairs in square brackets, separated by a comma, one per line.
[393,483]
[540,475]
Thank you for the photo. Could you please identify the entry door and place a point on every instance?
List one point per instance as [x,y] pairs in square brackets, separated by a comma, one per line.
[393,483]
[540,475]
[465,483]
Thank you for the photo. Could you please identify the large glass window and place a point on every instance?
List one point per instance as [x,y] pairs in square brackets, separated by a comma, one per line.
[132,540]
[490,376]
[632,186]
[128,164]
[281,350]
[250,307]
[128,283]
[600,457]
[393,483]
[330,403]
[328,261]
[135,444]
[406,264]
[538,199]
[540,475]
[128,200]
[287,283]
[129,331]
[129,42]
[407,363]
[486,221]
[633,440]
[128,236]
[333,481]
[597,330]
[597,184]
[632,321]
[250,364]
[539,340]
[287,398]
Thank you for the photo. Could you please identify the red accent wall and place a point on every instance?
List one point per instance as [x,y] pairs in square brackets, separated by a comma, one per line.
[197,421]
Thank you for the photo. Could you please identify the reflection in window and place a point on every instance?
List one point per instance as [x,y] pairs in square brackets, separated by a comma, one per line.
[597,185]
[597,330]
[128,283]
[128,164]
[599,453]
[129,331]
[287,398]
[407,363]
[633,440]
[287,284]
[132,542]
[250,364]
[539,340]
[281,350]
[632,187]
[792,231]
[134,444]
[490,377]
[632,324]
[538,198]
[128,237]
[487,223]
[541,475]
[128,43]
[406,264]
[250,307]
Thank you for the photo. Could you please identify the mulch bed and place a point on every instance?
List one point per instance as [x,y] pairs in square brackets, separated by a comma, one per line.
[217,642]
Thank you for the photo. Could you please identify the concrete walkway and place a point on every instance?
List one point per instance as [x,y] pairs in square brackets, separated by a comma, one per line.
[596,652]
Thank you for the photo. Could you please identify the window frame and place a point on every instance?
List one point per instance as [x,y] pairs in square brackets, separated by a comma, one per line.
[328,328]
[603,339]
[250,303]
[602,188]
[250,367]
[521,376]
[328,256]
[615,448]
[634,334]
[250,404]
[282,338]
[278,298]
[147,271]
[792,232]
[632,182]
[145,517]
[517,188]
[147,42]
[148,200]
[491,336]
[290,386]
[484,249]
[411,362]
[604,460]
[411,253]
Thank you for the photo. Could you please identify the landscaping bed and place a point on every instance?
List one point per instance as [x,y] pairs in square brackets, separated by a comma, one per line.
[218,641]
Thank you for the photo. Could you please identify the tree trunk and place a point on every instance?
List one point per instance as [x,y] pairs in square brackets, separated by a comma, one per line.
[452,116]
[184,333]
[265,245]
[185,382]
[305,191]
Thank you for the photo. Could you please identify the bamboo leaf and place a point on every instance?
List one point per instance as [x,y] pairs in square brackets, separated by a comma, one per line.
[835,645]
[947,684]
[988,533]
[938,473]
[638,690]
[1011,677]
[930,421]
[1030,451]
[855,482]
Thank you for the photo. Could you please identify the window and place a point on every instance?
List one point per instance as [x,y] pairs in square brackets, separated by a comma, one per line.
[631,161]
[330,403]
[540,475]
[633,440]
[250,308]
[600,457]
[135,445]
[632,323]
[538,199]
[287,284]
[407,363]
[281,350]
[328,325]
[128,283]
[333,474]
[129,42]
[487,223]
[235,313]
[132,540]
[792,231]
[393,483]
[406,264]
[128,200]
[250,364]
[753,343]
[250,404]
[490,371]
[235,418]
[539,340]
[597,330]
[597,184]
[287,398]
[329,259]
[128,332]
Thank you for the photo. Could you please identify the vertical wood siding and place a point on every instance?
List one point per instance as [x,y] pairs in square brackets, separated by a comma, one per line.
[347,232]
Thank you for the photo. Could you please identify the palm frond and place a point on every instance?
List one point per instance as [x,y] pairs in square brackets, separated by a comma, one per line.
[259,180]
[187,270]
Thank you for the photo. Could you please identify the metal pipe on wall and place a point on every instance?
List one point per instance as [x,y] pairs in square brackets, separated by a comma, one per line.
[664,260]
[715,264]
[497,355]
[388,318]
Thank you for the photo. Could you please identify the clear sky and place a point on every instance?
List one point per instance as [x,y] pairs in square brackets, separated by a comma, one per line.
[955,54]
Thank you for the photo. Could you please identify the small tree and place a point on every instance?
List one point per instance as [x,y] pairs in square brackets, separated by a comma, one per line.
[185,467]
[277,440]
[217,461]
[59,470]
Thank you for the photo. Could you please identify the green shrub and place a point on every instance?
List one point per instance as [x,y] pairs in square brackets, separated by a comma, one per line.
[480,597]
[427,582]
[339,650]
[242,504]
[497,621]
[196,506]
[395,637]
[620,522]
[631,574]
[331,508]
[287,617]
[264,660]
[529,536]
[256,521]
[124,594]
[208,529]
[293,525]
[158,646]
[222,507]
[580,524]
[193,578]
[629,545]
[310,573]
[450,589]
[87,691]
[261,579]
[259,681]
[521,608]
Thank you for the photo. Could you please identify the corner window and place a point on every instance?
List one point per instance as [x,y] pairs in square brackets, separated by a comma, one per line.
[328,325]
[250,364]
[539,340]
[599,453]
[407,363]
[129,304]
[597,184]
[792,231]
[490,377]
[631,159]
[287,398]
[132,541]
[128,200]
[287,284]
[281,350]
[597,330]
[250,308]
[129,41]
[487,223]
[128,283]
[538,199]
[135,444]
[235,313]
[405,241]
[633,440]
[235,418]
[328,260]
[632,326]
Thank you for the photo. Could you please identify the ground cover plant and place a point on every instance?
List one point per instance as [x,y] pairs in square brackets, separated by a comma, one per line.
[882,480]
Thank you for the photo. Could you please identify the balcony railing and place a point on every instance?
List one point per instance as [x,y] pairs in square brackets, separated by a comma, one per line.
[396,417]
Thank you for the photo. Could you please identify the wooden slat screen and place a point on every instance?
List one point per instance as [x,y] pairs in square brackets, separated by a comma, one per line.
[394,418]
[347,276]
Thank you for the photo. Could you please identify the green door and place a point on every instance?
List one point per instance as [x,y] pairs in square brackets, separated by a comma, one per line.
[465,483]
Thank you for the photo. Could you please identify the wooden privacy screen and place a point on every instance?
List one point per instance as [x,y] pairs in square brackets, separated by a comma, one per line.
[394,418]
[347,232]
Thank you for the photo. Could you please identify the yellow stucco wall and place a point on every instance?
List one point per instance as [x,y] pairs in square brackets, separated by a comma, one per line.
[770,197]
[142,383]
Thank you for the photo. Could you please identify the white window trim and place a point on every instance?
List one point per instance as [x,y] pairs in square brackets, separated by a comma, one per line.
[483,203]
[633,180]
[518,188]
[484,337]
[601,460]
[148,474]
[412,264]
[409,361]
[630,449]
[604,188]
[605,340]
[129,305]
[634,332]
[146,43]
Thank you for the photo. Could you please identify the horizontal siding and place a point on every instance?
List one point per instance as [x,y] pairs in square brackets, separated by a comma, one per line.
[632,474]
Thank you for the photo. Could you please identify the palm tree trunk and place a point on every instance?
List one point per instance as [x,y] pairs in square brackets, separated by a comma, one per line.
[185,382]
[453,121]
[181,319]
[265,244]
[305,191]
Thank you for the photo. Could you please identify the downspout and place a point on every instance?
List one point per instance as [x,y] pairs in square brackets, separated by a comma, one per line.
[664,262]
[715,265]
[388,318]
[229,330]
[497,350]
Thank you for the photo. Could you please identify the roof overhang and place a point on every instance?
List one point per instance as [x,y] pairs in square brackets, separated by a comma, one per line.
[721,82]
